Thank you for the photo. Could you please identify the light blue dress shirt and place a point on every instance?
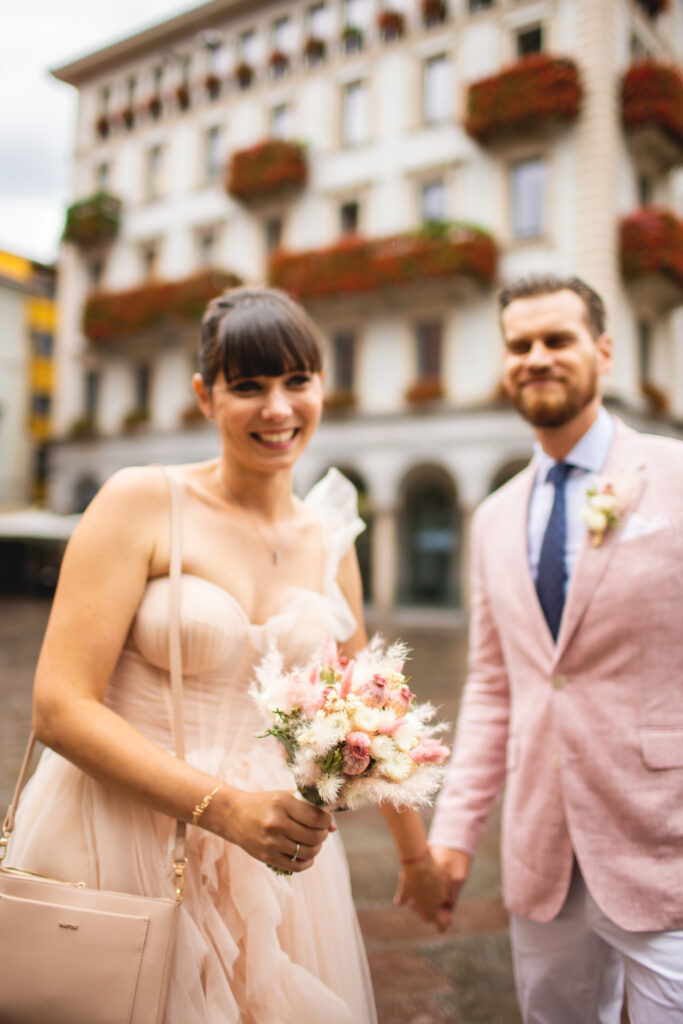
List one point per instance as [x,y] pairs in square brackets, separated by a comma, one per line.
[588,456]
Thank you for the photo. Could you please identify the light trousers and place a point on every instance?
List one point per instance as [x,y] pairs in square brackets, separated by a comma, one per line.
[575,968]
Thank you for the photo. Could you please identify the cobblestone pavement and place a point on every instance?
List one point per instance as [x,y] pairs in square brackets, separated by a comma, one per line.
[420,977]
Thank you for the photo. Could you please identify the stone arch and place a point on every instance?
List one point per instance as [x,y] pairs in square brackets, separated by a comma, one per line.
[430,527]
[506,472]
[85,489]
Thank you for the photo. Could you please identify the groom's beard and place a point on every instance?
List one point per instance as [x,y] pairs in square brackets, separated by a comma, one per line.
[542,410]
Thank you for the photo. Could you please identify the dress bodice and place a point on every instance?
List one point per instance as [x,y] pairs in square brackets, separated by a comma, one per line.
[221,647]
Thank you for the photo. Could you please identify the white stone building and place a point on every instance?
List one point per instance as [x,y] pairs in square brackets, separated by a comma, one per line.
[554,127]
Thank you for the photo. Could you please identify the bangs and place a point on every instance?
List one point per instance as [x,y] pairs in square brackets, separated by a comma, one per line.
[269,344]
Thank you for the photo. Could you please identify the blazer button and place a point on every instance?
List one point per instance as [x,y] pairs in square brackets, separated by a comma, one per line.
[559,682]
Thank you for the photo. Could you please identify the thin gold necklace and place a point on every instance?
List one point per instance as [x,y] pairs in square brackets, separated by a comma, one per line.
[275,553]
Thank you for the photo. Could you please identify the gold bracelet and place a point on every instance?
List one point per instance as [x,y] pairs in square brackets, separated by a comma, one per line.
[201,807]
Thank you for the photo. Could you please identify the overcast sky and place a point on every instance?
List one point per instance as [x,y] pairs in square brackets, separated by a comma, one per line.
[37,113]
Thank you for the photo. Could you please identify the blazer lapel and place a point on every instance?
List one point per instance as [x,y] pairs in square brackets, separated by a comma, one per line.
[628,476]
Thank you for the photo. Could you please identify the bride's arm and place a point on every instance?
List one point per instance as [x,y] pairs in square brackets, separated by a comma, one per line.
[421,884]
[104,573]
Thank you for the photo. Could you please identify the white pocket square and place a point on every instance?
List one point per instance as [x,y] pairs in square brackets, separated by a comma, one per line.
[636,526]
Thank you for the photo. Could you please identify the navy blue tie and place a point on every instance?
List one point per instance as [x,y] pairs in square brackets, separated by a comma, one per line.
[551,575]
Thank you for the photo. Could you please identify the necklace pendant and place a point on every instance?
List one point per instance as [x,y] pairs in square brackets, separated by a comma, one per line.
[276,557]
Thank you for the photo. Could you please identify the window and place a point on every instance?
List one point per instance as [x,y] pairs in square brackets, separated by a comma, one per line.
[344,360]
[645,189]
[348,217]
[206,246]
[131,88]
[529,40]
[433,202]
[480,5]
[142,387]
[153,172]
[436,89]
[429,345]
[281,121]
[645,350]
[352,13]
[103,98]
[529,185]
[95,273]
[91,392]
[42,343]
[317,21]
[40,404]
[102,177]
[281,35]
[149,257]
[273,233]
[247,47]
[212,154]
[354,113]
[157,79]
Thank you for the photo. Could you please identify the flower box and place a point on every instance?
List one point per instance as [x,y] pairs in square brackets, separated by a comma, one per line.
[652,97]
[102,126]
[654,7]
[314,50]
[267,168]
[92,220]
[134,419]
[536,90]
[351,39]
[429,389]
[110,316]
[356,265]
[244,73]
[657,398]
[340,399]
[182,96]
[391,24]
[127,117]
[278,62]
[433,12]
[651,243]
[212,84]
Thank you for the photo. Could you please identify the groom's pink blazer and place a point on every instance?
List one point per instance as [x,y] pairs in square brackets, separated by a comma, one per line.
[586,734]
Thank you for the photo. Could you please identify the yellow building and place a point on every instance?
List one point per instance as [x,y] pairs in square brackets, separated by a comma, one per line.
[27,323]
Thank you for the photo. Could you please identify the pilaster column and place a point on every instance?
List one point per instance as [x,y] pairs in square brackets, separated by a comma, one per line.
[384,559]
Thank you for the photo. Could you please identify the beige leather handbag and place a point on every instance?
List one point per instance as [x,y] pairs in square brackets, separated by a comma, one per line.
[73,955]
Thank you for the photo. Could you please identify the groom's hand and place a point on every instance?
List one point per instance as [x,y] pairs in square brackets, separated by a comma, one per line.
[424,887]
[455,864]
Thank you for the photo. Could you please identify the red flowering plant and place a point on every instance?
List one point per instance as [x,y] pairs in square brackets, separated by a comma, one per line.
[182,95]
[536,89]
[92,220]
[427,389]
[314,50]
[433,12]
[110,316]
[278,62]
[244,73]
[154,105]
[652,243]
[391,24]
[356,265]
[212,84]
[127,117]
[267,168]
[652,95]
[102,126]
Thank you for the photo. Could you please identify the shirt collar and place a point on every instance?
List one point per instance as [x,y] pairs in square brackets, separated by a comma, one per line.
[590,451]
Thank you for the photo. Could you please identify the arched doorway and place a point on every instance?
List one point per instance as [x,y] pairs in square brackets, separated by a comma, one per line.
[506,472]
[430,538]
[364,540]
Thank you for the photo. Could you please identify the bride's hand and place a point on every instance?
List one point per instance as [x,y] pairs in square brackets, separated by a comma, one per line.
[277,828]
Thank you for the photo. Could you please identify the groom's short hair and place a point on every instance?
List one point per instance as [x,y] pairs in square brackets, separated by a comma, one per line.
[545,284]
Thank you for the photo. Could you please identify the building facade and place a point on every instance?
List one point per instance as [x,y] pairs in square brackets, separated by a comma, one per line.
[27,315]
[389,164]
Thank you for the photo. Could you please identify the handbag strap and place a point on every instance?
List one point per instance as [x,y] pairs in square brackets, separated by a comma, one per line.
[176,678]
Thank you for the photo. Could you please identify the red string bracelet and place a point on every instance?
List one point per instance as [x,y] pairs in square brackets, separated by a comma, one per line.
[415,860]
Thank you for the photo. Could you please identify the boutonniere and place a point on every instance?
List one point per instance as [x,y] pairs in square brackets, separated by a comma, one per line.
[602,511]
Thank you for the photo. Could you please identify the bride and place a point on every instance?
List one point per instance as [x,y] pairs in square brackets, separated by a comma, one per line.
[259,567]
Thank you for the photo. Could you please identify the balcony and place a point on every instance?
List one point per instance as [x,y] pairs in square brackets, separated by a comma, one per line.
[356,265]
[93,221]
[652,113]
[535,92]
[651,248]
[270,168]
[120,316]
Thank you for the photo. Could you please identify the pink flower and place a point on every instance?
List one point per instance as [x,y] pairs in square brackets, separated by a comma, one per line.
[356,753]
[346,679]
[374,692]
[429,751]
[402,698]
[301,694]
[389,728]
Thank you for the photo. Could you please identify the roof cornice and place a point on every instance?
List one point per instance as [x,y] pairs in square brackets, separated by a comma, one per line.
[163,34]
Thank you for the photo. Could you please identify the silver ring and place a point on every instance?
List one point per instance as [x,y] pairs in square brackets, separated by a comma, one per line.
[296,853]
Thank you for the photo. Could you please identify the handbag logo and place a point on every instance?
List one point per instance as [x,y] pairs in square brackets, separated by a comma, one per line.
[66,924]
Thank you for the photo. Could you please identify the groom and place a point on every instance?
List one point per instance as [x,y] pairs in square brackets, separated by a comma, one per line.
[574,697]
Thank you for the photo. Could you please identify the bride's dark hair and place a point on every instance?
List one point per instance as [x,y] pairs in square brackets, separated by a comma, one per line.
[252,332]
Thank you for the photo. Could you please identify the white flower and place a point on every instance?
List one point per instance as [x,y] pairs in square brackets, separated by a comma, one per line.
[595,519]
[603,502]
[329,787]
[324,732]
[382,747]
[368,719]
[405,737]
[398,767]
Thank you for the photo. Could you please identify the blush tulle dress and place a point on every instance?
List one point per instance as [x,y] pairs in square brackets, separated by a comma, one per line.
[252,947]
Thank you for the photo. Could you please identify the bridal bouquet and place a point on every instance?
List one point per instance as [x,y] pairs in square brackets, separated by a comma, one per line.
[352,731]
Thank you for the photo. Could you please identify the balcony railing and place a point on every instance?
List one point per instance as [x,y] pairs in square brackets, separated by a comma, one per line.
[93,220]
[535,91]
[119,316]
[651,246]
[652,109]
[271,167]
[357,265]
